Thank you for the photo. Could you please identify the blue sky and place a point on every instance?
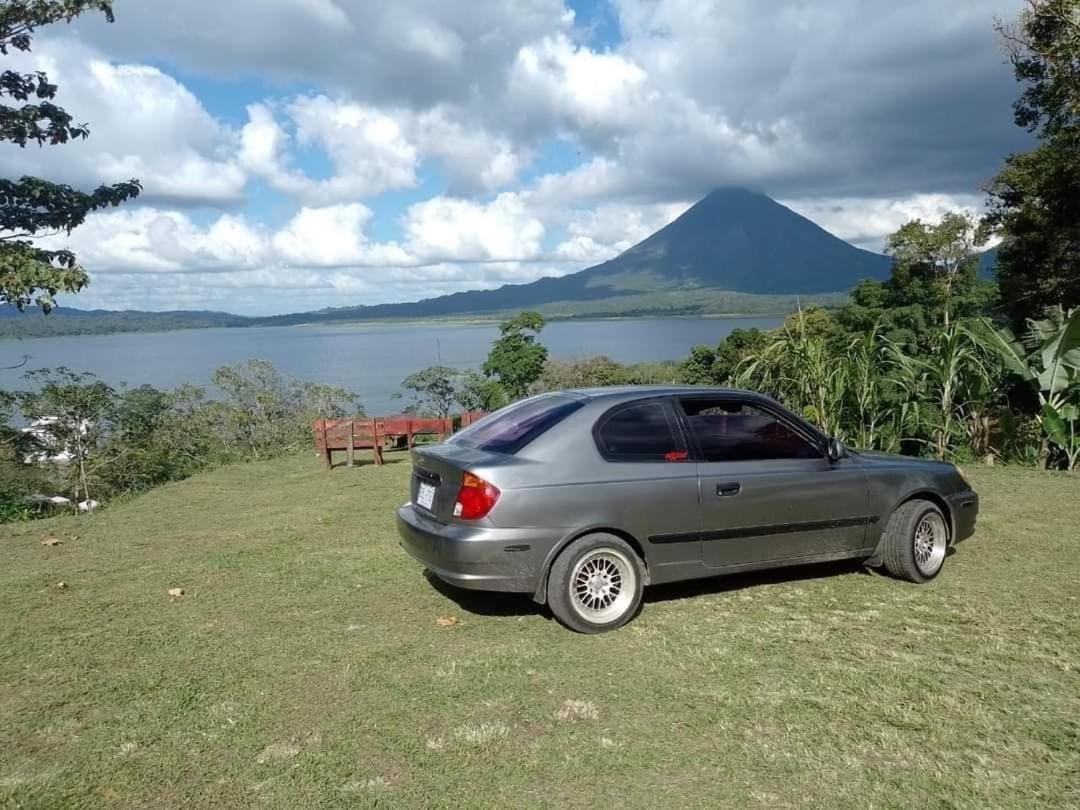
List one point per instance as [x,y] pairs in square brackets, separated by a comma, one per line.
[398,151]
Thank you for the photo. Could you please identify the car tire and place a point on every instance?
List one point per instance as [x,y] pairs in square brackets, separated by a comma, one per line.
[915,542]
[595,584]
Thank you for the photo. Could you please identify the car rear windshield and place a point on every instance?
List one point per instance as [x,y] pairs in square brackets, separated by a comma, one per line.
[509,430]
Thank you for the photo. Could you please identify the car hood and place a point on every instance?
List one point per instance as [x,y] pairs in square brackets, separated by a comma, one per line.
[875,458]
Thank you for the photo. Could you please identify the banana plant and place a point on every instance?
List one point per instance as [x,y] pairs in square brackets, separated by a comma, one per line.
[1049,359]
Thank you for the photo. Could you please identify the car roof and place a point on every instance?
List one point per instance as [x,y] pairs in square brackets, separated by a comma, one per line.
[631,392]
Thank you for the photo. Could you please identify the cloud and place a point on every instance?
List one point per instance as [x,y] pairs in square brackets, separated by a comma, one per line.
[600,234]
[446,229]
[884,98]
[475,159]
[334,237]
[576,87]
[141,240]
[366,147]
[406,53]
[144,124]
[506,141]
[867,221]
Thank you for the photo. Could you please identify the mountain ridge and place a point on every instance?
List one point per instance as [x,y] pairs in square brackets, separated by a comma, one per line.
[732,240]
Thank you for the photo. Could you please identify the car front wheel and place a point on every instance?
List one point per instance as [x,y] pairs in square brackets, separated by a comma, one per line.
[596,584]
[916,541]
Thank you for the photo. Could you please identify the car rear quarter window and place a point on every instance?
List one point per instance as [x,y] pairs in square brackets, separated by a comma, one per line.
[731,430]
[510,429]
[640,431]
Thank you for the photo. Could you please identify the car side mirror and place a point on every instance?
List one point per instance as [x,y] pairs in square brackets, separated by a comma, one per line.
[835,450]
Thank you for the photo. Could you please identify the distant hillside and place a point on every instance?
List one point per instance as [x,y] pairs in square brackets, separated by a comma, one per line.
[734,252]
[69,321]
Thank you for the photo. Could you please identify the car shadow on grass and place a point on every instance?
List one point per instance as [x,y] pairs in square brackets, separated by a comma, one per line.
[673,591]
[488,603]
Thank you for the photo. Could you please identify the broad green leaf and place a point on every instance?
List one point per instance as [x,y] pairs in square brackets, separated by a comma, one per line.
[1004,344]
[1055,426]
[1061,356]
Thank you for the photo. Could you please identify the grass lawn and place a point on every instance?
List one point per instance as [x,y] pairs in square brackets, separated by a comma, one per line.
[305,666]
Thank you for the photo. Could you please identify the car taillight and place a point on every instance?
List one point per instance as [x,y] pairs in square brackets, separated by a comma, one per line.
[475,498]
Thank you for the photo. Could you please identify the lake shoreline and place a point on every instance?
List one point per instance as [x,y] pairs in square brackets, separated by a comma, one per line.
[374,322]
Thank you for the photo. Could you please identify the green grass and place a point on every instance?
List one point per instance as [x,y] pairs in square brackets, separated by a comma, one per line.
[304,667]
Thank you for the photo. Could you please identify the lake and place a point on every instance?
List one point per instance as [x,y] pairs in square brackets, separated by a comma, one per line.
[371,359]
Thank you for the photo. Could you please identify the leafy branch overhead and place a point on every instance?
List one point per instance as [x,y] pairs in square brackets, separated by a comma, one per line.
[31,207]
[1035,198]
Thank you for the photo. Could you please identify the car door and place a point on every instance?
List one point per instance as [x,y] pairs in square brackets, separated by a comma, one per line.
[649,485]
[767,492]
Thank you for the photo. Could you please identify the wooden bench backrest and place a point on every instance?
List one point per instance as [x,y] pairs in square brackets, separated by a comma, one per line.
[336,434]
[406,425]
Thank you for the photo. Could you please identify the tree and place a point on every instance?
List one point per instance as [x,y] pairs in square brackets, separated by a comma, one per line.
[31,207]
[433,389]
[934,282]
[589,372]
[265,412]
[478,393]
[72,412]
[708,366]
[1035,199]
[938,259]
[516,358]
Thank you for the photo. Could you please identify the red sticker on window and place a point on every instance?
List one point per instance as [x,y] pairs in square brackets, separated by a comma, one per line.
[675,455]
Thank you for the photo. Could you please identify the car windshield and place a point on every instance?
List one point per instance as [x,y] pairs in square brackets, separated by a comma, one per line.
[510,429]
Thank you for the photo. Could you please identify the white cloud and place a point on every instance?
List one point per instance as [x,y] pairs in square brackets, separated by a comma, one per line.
[445,228]
[594,236]
[439,232]
[867,221]
[334,237]
[144,124]
[475,159]
[576,86]
[146,240]
[367,148]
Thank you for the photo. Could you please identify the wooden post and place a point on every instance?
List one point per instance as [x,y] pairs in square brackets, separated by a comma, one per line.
[376,443]
[326,444]
[408,434]
[352,441]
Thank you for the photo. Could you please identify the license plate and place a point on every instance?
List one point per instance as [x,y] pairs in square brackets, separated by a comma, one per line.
[426,496]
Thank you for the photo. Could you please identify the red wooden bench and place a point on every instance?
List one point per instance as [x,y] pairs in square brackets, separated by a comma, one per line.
[468,417]
[348,435]
[408,427]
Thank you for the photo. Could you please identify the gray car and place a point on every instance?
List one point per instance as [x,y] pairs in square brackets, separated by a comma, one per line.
[582,498]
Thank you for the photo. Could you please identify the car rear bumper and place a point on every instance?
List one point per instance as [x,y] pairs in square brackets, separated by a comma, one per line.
[965,510]
[474,557]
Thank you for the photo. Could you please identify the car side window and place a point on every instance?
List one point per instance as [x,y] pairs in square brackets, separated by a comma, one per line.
[731,430]
[640,431]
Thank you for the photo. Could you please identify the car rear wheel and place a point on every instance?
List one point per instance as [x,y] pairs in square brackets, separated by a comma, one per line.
[916,541]
[596,584]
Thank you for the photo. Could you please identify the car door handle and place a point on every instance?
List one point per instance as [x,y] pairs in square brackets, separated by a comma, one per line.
[727,490]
